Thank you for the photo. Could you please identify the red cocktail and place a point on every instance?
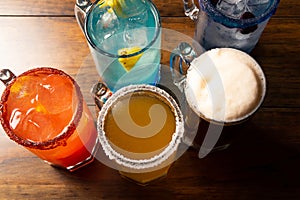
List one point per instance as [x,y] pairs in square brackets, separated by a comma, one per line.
[44,111]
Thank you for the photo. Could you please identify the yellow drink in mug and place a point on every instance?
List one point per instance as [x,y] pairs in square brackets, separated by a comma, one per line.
[140,128]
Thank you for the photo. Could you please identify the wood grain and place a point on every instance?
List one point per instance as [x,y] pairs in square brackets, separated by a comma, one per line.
[167,8]
[262,163]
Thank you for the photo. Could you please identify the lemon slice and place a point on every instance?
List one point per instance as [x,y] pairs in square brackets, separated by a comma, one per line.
[129,62]
[105,3]
[40,108]
[116,5]
[122,8]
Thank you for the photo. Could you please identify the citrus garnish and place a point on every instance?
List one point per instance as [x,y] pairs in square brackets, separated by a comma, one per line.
[129,62]
[122,8]
[18,86]
[106,3]
[115,5]
[40,108]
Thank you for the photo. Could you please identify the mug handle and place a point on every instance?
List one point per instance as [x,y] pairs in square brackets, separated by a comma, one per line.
[6,76]
[81,9]
[180,60]
[100,93]
[184,54]
[190,9]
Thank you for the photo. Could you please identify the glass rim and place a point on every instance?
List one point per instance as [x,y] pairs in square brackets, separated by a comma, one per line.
[219,17]
[63,135]
[157,33]
[166,153]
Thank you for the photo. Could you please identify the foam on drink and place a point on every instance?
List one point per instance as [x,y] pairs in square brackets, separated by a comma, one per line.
[225,85]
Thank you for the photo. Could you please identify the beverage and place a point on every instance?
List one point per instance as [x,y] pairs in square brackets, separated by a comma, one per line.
[140,127]
[140,135]
[223,88]
[145,70]
[237,8]
[44,111]
[231,23]
[224,85]
[125,40]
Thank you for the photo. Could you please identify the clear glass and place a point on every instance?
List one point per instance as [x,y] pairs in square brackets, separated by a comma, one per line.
[124,40]
[44,111]
[144,150]
[233,23]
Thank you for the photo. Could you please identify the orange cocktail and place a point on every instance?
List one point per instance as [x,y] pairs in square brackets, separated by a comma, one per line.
[140,128]
[43,110]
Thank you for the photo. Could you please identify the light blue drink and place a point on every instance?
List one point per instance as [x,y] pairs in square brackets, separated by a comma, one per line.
[108,34]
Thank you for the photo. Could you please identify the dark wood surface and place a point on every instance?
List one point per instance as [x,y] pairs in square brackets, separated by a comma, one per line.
[263,163]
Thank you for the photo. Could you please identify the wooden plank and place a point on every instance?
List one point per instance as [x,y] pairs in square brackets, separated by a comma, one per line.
[52,41]
[37,7]
[66,8]
[262,162]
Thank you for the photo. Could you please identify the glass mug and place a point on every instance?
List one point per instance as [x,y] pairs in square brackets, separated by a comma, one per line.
[124,37]
[230,23]
[43,110]
[223,87]
[140,128]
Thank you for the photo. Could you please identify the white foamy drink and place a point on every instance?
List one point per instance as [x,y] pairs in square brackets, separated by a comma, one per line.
[225,85]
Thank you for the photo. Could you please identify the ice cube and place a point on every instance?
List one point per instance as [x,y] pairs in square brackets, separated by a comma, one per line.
[108,19]
[257,2]
[258,7]
[103,25]
[135,37]
[232,8]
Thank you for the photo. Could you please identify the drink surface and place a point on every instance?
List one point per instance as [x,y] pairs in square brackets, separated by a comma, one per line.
[224,84]
[150,120]
[40,106]
[145,70]
[111,31]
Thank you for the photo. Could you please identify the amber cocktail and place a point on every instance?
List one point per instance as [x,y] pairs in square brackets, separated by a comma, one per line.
[44,111]
[140,128]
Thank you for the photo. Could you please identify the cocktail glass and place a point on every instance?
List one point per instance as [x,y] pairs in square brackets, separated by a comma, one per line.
[124,37]
[43,110]
[230,23]
[140,129]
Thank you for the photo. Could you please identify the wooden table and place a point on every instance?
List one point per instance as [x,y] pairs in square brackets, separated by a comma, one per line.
[263,164]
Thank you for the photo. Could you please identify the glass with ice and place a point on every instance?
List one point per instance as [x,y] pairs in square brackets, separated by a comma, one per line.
[230,23]
[124,37]
[43,110]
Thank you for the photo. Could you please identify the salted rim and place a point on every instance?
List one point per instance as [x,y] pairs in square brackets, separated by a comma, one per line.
[260,76]
[60,138]
[208,7]
[140,163]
